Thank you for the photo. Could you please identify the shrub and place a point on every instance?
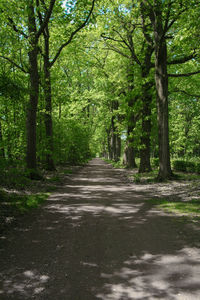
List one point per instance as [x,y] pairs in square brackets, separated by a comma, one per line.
[180,165]
[155,162]
[198,168]
[190,166]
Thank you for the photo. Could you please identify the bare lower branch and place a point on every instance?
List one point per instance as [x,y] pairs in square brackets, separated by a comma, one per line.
[182,60]
[186,93]
[184,75]
[14,63]
[115,49]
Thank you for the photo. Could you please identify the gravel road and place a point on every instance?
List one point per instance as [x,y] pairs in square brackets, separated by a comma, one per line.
[97,237]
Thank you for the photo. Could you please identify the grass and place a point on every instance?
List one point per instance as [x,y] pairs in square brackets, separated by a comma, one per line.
[67,171]
[188,208]
[145,177]
[116,165]
[13,205]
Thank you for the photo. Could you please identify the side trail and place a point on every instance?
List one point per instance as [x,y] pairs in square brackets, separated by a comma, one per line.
[98,238]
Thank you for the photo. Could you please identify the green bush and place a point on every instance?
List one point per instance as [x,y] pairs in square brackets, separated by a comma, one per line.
[190,167]
[186,166]
[180,165]
[198,168]
[155,162]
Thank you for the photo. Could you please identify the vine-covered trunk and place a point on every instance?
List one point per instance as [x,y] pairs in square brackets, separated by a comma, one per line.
[161,80]
[48,105]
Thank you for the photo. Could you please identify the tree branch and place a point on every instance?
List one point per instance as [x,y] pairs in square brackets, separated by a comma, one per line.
[184,75]
[182,60]
[13,25]
[144,26]
[73,34]
[13,63]
[113,48]
[168,16]
[46,19]
[110,38]
[39,13]
[186,93]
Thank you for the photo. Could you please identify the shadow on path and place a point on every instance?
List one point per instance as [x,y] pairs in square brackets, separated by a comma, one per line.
[97,238]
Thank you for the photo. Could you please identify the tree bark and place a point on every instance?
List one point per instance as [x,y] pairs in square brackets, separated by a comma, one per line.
[118,148]
[48,105]
[2,153]
[33,90]
[129,152]
[145,164]
[161,80]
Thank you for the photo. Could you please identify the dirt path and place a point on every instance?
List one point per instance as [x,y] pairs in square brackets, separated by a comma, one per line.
[97,238]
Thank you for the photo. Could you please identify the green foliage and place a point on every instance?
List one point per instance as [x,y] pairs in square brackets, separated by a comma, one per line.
[191,167]
[89,77]
[155,162]
[13,205]
[185,166]
[198,168]
[137,178]
[180,165]
[12,175]
[74,148]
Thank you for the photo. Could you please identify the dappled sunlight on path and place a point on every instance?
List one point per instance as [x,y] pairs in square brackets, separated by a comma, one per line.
[98,238]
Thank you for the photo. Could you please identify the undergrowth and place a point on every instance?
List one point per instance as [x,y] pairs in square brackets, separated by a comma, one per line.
[13,205]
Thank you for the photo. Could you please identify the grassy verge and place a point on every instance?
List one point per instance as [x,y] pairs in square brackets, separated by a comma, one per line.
[190,208]
[12,205]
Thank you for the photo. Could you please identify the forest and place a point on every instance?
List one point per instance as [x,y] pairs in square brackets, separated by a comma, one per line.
[117,79]
[99,149]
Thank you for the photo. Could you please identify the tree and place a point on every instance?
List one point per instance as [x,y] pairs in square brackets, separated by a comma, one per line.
[32,34]
[48,64]
[163,16]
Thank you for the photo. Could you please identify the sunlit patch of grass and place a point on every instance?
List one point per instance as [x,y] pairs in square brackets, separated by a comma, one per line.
[146,177]
[187,208]
[117,165]
[188,176]
[12,205]
[67,171]
[53,179]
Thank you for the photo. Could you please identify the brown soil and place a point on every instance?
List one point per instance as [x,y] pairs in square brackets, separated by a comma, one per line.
[97,237]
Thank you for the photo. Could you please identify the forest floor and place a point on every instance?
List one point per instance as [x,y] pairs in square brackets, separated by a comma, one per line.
[99,235]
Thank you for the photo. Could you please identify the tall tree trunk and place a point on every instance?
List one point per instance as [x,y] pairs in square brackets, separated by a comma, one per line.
[109,144]
[112,140]
[32,110]
[145,165]
[129,151]
[33,92]
[2,153]
[48,104]
[161,80]
[118,147]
